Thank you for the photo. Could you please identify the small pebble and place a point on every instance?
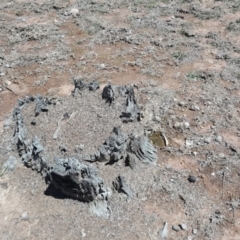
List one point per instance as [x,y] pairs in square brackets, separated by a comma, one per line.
[194,231]
[177,125]
[176,228]
[183,226]
[195,108]
[191,179]
[221,155]
[208,140]
[24,215]
[219,139]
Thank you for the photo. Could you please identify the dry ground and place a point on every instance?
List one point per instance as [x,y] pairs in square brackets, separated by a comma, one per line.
[184,56]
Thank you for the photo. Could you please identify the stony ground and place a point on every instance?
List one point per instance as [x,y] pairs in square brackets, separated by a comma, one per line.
[184,58]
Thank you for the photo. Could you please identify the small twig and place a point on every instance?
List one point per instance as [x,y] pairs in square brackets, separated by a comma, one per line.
[222,183]
[3,171]
[10,90]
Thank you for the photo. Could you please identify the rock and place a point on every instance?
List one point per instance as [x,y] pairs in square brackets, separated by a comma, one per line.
[94,85]
[194,231]
[218,138]
[177,125]
[186,124]
[108,94]
[76,179]
[74,12]
[131,161]
[176,228]
[80,147]
[114,148]
[208,140]
[120,185]
[221,155]
[189,143]
[24,215]
[132,112]
[191,179]
[164,233]
[7,82]
[143,149]
[194,107]
[183,226]
[182,104]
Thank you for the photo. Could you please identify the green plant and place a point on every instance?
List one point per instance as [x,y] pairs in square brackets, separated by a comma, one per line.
[179,55]
[193,76]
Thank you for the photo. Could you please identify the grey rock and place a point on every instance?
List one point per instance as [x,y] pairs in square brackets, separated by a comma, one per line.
[194,231]
[177,125]
[208,140]
[94,85]
[79,84]
[143,149]
[176,228]
[132,112]
[108,94]
[120,185]
[194,107]
[24,215]
[218,139]
[164,232]
[114,148]
[183,226]
[76,179]
[41,105]
[186,124]
[131,161]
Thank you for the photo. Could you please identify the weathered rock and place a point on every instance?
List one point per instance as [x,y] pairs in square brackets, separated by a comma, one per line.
[131,161]
[76,179]
[108,94]
[143,149]
[176,228]
[94,85]
[79,84]
[41,105]
[120,185]
[114,148]
[132,112]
